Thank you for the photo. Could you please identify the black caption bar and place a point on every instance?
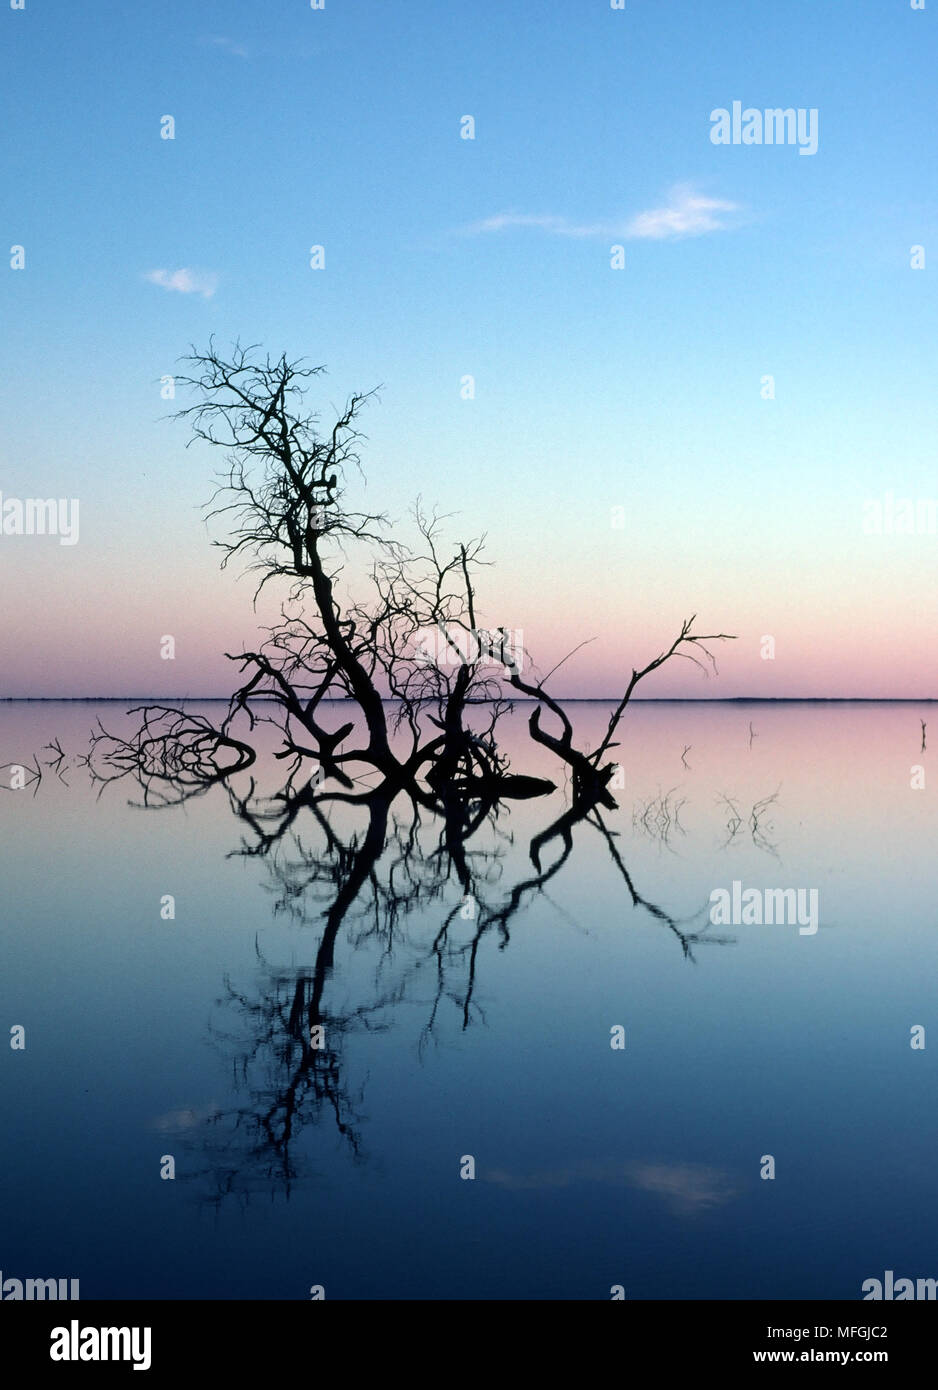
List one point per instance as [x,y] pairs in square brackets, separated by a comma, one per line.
[153,1341]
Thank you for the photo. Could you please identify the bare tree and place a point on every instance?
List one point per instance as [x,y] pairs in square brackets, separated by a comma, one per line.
[411,661]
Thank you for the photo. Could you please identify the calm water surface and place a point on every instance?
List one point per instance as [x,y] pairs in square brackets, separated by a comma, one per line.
[449,1035]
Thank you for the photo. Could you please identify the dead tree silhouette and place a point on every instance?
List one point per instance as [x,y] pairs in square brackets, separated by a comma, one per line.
[423,686]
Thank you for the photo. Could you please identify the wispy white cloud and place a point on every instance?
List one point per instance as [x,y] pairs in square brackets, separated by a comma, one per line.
[501,220]
[260,49]
[686,213]
[185,281]
[560,226]
[237,50]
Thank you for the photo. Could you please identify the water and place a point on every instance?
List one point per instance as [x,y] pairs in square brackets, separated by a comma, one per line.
[149,1037]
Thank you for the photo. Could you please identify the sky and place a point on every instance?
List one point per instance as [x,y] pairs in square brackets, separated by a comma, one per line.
[703,420]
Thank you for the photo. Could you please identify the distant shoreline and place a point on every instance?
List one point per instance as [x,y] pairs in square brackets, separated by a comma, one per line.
[519,700]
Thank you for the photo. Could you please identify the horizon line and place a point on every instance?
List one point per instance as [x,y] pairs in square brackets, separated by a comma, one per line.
[517,700]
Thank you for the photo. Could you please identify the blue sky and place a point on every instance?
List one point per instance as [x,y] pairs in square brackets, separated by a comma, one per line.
[444,257]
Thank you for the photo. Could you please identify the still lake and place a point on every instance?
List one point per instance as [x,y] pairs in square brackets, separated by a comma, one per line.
[480,1026]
